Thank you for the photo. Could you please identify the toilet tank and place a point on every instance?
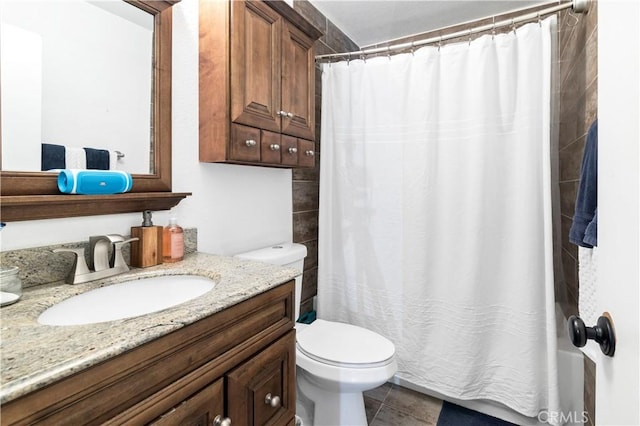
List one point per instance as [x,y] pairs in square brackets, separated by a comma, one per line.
[290,255]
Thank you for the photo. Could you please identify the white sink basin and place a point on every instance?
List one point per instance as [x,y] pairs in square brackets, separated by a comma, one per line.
[126,300]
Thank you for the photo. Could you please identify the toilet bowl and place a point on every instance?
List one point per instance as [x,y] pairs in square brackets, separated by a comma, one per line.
[335,362]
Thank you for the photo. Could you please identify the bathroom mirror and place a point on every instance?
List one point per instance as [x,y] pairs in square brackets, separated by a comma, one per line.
[76,74]
[144,140]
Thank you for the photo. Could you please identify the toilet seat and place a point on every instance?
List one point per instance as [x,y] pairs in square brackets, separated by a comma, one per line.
[344,345]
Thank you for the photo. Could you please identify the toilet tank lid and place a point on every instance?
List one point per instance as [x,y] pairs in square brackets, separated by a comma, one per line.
[278,254]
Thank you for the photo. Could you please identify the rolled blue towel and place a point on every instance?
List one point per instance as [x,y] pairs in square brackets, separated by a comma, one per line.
[94,182]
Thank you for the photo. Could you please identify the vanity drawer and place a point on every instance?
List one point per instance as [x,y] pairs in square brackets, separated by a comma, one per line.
[200,409]
[122,386]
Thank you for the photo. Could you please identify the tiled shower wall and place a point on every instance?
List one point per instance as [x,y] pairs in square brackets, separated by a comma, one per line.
[578,44]
[306,181]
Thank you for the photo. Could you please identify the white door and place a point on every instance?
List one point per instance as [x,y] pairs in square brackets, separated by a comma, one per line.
[618,378]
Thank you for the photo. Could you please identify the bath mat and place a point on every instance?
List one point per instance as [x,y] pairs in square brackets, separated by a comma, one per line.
[455,415]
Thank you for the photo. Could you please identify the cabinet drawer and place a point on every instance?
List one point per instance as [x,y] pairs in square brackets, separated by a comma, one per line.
[306,153]
[245,143]
[261,391]
[200,409]
[270,147]
[289,147]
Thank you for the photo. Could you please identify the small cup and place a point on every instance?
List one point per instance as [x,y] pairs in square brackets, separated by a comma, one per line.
[10,285]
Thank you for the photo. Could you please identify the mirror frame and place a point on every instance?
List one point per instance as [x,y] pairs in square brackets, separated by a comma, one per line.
[35,195]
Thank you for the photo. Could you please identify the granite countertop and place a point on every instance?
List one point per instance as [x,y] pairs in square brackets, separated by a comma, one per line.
[33,355]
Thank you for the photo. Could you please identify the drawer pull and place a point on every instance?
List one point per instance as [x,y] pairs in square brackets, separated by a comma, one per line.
[221,421]
[273,401]
[250,142]
[293,150]
[290,114]
[274,147]
[309,153]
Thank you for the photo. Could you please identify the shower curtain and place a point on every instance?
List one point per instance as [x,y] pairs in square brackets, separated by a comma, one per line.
[435,213]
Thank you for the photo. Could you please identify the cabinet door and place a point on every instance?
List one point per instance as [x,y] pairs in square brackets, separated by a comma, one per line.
[306,153]
[298,83]
[199,410]
[255,65]
[262,390]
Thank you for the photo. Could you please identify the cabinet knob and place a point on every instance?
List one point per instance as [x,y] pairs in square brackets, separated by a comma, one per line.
[309,153]
[221,421]
[273,401]
[285,114]
[293,150]
[250,142]
[274,147]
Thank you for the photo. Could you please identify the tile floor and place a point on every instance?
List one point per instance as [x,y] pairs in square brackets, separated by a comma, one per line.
[393,405]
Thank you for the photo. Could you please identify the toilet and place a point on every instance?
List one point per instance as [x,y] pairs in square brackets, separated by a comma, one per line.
[335,362]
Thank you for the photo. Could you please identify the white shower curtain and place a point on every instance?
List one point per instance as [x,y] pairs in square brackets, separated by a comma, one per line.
[435,213]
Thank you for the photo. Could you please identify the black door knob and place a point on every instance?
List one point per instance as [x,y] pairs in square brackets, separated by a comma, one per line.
[602,333]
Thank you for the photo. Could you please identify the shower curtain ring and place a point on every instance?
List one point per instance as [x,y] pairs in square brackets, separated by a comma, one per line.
[439,43]
[493,28]
[413,48]
[469,37]
[539,20]
[513,25]
[389,52]
[348,58]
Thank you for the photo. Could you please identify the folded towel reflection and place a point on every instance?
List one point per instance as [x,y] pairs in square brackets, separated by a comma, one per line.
[66,157]
[53,157]
[97,159]
[94,182]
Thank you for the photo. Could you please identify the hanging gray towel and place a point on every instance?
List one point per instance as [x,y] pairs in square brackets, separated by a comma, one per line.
[584,230]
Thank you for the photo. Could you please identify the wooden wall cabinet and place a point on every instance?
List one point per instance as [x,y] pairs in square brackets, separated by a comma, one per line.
[257,84]
[237,364]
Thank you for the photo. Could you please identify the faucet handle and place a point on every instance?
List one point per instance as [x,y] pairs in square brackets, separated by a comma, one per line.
[79,264]
[117,261]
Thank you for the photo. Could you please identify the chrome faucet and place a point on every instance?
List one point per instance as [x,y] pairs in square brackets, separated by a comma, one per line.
[105,257]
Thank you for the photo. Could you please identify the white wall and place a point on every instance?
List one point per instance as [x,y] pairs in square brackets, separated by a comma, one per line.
[235,208]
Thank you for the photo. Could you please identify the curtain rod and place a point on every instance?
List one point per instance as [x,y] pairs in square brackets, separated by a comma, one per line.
[578,6]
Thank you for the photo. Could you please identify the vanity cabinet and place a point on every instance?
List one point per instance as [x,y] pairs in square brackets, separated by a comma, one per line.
[257,84]
[237,364]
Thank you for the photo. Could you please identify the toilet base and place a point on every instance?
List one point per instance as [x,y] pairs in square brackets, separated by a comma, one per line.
[329,408]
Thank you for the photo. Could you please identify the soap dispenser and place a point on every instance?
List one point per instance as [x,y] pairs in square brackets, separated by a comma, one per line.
[173,241]
[147,251]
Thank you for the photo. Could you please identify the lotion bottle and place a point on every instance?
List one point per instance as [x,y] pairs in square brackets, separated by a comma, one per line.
[147,251]
[173,241]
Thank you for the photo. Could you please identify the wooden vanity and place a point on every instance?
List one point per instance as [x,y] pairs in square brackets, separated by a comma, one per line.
[237,363]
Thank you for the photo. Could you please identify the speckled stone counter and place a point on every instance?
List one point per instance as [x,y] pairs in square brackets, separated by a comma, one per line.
[34,355]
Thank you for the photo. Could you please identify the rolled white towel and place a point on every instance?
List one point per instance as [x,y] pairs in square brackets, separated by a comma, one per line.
[113,160]
[75,158]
